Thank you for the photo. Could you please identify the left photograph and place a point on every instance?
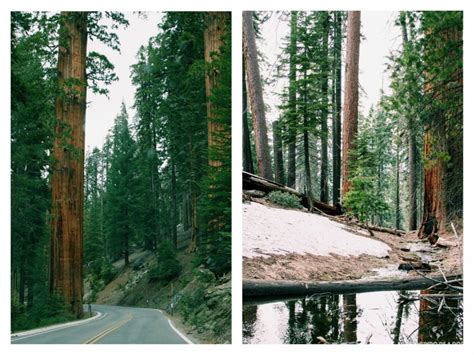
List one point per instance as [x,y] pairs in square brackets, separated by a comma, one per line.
[120,177]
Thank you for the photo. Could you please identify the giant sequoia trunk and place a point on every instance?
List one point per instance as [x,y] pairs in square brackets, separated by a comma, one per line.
[443,182]
[434,209]
[351,95]
[213,41]
[291,176]
[68,171]
[218,135]
[256,97]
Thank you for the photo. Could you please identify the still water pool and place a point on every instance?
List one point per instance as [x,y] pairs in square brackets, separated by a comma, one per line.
[388,317]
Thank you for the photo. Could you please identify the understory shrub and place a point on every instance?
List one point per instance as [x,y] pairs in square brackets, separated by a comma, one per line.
[167,267]
[284,199]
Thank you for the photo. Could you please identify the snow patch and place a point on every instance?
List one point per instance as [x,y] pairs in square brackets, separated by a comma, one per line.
[274,231]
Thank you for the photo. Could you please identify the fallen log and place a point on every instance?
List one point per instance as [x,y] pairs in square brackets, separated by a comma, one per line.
[371,228]
[254,182]
[284,288]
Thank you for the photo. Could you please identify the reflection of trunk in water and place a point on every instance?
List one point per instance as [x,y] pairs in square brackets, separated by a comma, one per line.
[249,318]
[291,321]
[335,317]
[398,322]
[350,318]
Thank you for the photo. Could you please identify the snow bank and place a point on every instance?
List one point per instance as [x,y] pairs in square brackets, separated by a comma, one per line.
[275,231]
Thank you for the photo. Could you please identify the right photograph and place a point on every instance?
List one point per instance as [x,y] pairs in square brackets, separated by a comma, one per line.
[352,172]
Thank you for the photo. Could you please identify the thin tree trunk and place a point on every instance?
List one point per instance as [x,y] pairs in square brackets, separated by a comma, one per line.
[336,124]
[126,250]
[397,188]
[278,153]
[324,113]
[174,207]
[351,95]
[68,172]
[307,166]
[412,208]
[246,146]
[292,103]
[256,97]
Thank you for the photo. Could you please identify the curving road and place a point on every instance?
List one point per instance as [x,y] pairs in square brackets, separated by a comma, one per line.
[116,325]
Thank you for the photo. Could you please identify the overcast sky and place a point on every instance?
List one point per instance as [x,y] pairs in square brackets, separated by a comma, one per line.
[380,37]
[101,111]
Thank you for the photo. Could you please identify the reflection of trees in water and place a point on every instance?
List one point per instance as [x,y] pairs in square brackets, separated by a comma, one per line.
[314,320]
[249,317]
[333,319]
[440,318]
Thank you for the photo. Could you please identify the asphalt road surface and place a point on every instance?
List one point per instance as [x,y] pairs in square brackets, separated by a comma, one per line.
[116,325]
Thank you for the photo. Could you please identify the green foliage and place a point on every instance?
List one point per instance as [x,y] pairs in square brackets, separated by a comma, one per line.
[362,201]
[119,188]
[368,196]
[284,199]
[32,109]
[34,89]
[50,309]
[168,266]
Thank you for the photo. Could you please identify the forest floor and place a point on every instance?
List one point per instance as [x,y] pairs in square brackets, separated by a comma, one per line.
[197,302]
[265,256]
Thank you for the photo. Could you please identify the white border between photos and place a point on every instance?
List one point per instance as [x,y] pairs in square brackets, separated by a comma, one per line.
[236,6]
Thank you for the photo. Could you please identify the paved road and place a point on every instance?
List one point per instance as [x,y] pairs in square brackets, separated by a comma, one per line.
[117,325]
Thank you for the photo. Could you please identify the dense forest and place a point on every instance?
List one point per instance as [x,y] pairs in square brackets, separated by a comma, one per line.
[399,166]
[160,182]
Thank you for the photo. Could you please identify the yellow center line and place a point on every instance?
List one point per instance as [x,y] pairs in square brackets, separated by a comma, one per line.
[109,330]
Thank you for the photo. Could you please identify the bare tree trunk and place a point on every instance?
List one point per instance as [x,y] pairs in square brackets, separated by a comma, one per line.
[246,146]
[256,97]
[336,124]
[351,95]
[292,103]
[68,172]
[397,188]
[278,153]
[307,165]
[324,113]
[174,206]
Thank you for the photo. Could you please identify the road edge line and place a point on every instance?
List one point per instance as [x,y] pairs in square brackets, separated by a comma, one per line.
[184,337]
[51,328]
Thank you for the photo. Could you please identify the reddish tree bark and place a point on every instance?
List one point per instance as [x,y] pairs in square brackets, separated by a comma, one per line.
[68,170]
[351,95]
[213,33]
